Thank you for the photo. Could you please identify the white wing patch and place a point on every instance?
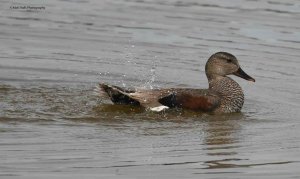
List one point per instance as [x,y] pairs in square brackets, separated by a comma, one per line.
[159,108]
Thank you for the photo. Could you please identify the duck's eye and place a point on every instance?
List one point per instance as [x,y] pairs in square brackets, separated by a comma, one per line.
[229,60]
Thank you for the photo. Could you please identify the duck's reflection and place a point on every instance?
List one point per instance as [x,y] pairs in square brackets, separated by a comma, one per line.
[222,140]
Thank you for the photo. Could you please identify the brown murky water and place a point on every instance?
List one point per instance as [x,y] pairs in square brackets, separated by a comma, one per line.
[53,126]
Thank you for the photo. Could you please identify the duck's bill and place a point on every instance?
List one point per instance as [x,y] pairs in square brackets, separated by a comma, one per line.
[242,74]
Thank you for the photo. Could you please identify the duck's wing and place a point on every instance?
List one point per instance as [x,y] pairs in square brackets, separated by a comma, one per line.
[160,99]
[150,98]
[146,98]
[194,99]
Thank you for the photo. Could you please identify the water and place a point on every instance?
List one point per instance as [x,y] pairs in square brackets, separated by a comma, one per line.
[52,124]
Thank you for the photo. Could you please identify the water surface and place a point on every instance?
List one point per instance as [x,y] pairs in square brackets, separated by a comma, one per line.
[53,125]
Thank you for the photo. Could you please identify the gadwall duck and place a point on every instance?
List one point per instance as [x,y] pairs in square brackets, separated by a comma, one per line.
[224,95]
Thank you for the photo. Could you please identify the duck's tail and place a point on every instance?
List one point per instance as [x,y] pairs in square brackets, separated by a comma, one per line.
[116,94]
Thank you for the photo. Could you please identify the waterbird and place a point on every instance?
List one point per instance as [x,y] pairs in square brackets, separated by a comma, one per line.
[224,95]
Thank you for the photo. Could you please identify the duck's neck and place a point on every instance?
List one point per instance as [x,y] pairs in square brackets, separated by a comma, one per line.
[231,93]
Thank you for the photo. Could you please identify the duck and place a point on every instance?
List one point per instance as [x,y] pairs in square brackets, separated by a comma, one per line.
[224,95]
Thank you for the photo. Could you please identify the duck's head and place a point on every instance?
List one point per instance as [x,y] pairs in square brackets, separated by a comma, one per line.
[221,64]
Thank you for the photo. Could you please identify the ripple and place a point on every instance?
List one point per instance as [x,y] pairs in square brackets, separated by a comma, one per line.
[53,125]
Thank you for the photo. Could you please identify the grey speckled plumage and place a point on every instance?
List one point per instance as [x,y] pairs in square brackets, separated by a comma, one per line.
[224,95]
[230,93]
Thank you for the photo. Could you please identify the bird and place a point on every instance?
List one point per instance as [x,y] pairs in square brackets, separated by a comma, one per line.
[224,95]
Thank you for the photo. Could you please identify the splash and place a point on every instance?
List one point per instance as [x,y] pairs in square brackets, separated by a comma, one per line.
[149,83]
